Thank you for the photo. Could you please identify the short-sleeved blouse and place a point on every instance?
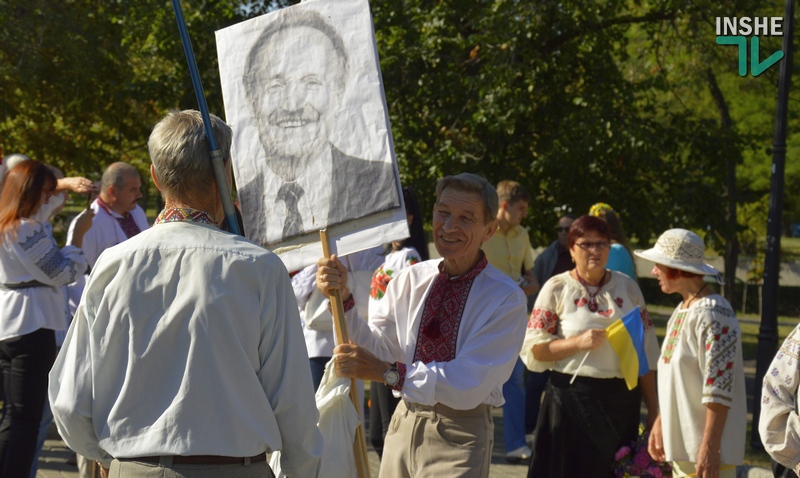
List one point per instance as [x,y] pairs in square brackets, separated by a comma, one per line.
[32,256]
[561,312]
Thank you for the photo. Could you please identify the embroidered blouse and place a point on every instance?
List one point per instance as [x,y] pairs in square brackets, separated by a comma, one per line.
[395,262]
[779,425]
[701,363]
[33,255]
[562,311]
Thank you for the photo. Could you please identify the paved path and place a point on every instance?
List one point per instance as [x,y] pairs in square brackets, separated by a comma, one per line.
[54,457]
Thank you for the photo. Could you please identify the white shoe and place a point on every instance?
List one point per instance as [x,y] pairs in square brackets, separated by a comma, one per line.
[529,439]
[522,453]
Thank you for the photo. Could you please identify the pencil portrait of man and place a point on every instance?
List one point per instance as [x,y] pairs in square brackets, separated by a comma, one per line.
[295,78]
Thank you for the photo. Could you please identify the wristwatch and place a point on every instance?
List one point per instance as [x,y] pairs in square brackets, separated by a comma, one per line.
[391,376]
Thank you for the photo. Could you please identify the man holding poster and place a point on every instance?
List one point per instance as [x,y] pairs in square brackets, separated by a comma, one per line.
[445,338]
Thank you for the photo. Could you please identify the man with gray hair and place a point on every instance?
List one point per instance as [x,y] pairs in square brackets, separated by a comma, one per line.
[186,354]
[445,339]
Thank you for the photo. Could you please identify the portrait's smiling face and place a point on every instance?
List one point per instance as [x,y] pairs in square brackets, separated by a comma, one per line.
[297,90]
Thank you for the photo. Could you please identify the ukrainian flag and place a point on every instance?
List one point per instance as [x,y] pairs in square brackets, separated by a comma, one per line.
[626,336]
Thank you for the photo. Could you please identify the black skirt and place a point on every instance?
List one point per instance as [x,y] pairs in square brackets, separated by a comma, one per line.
[581,426]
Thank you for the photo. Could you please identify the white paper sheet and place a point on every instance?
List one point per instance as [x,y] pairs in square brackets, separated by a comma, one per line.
[312,144]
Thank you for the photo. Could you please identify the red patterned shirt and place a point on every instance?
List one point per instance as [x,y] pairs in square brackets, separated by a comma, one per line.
[441,317]
[444,307]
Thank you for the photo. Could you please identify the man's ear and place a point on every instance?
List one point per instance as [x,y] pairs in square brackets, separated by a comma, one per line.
[490,229]
[153,175]
[505,205]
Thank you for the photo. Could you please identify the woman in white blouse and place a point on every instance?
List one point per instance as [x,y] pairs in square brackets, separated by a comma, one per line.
[703,421]
[582,424]
[33,305]
[779,424]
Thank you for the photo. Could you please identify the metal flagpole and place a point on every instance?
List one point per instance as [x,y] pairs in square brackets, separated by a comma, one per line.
[217,161]
[768,332]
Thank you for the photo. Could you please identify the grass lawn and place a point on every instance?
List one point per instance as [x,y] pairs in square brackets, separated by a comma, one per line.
[790,248]
[660,316]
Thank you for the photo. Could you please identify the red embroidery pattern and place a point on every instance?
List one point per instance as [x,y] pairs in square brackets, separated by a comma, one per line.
[184,214]
[347,305]
[606,313]
[544,319]
[380,280]
[580,302]
[721,348]
[672,336]
[441,315]
[619,301]
[401,370]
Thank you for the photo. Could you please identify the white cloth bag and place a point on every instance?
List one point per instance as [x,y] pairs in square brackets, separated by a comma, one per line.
[338,421]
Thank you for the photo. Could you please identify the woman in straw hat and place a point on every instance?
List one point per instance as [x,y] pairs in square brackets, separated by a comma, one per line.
[597,414]
[702,425]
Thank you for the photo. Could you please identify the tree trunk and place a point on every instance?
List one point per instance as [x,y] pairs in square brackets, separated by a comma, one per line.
[731,154]
[744,299]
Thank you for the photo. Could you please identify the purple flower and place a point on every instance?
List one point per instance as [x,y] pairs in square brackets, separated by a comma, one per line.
[642,459]
[636,471]
[622,453]
[655,472]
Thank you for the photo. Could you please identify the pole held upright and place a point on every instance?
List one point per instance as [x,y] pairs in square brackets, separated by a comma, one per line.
[217,161]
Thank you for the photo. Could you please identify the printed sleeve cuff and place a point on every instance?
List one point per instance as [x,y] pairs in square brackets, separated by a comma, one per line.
[401,370]
[348,304]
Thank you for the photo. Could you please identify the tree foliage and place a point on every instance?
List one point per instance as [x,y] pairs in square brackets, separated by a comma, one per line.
[581,101]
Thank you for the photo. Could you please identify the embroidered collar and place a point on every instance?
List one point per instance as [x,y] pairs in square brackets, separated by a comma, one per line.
[469,275]
[185,214]
[107,209]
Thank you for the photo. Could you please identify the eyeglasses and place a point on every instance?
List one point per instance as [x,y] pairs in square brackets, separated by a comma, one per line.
[599,245]
[562,229]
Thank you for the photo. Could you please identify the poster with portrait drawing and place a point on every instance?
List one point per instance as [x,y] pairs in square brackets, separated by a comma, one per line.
[312,146]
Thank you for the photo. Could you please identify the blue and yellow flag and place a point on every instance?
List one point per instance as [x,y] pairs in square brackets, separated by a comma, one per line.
[626,336]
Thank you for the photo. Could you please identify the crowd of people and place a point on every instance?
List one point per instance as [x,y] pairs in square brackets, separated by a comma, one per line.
[193,349]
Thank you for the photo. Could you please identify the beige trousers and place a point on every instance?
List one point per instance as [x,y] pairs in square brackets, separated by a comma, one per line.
[436,441]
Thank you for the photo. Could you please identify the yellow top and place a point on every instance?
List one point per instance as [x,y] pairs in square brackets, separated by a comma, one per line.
[508,252]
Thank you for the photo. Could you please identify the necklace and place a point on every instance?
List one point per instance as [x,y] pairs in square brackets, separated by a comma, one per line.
[689,302]
[593,307]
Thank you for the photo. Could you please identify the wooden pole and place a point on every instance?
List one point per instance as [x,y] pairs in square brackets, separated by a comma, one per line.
[342,337]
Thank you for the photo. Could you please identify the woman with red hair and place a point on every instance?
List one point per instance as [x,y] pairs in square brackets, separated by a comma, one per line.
[33,305]
[588,409]
[703,412]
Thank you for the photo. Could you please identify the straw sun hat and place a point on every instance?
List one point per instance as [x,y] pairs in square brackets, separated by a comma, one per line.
[679,249]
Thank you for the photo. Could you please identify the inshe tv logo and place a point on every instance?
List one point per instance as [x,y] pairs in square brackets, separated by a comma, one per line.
[734,31]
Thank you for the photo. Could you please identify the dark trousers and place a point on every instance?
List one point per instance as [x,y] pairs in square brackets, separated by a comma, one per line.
[318,369]
[25,362]
[535,382]
[381,407]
